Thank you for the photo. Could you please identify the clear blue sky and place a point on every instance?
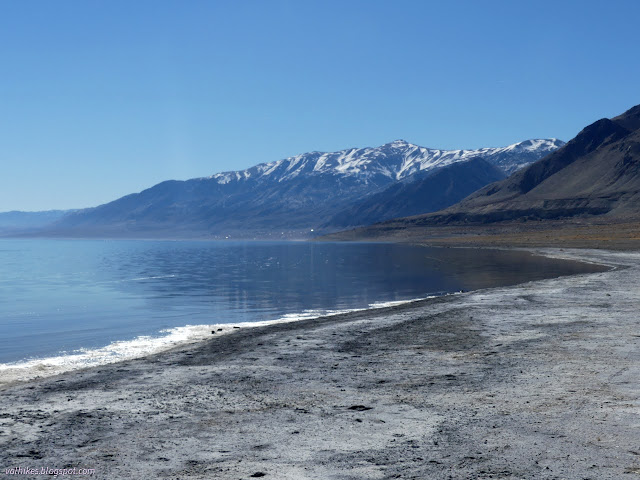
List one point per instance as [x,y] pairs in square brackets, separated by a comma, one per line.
[103,98]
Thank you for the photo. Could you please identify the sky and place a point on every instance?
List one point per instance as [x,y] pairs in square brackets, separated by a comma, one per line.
[99,99]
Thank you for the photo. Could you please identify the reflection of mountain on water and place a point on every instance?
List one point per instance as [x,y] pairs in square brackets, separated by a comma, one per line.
[267,280]
[256,281]
[484,268]
[66,295]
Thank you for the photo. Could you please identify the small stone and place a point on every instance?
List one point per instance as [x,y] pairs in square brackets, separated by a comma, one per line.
[359,408]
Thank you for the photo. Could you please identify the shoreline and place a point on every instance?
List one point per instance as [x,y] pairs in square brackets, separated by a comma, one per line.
[493,383]
[21,371]
[30,369]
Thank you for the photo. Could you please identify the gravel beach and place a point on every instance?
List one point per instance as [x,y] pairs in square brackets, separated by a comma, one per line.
[535,381]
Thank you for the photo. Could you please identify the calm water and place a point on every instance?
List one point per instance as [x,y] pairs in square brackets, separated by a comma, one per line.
[61,295]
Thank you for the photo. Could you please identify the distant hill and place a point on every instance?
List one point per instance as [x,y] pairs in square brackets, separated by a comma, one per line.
[16,221]
[297,196]
[595,175]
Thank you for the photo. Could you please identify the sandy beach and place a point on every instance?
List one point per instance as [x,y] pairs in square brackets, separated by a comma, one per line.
[535,381]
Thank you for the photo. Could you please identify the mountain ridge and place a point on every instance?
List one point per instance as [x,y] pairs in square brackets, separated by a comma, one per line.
[287,198]
[595,177]
[417,158]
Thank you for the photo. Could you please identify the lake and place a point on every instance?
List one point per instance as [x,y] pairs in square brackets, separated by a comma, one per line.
[67,298]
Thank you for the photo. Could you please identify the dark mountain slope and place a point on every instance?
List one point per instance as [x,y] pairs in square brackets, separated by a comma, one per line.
[596,173]
[429,193]
[205,206]
[629,119]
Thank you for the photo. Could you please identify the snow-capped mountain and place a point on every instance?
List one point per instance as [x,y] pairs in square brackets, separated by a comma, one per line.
[395,160]
[593,180]
[297,195]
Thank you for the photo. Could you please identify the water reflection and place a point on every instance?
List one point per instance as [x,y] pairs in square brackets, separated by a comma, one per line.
[277,278]
[61,295]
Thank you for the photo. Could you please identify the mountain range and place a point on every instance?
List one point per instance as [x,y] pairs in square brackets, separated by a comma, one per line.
[595,176]
[301,196]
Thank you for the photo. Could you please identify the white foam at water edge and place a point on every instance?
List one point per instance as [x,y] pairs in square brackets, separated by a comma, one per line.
[146,345]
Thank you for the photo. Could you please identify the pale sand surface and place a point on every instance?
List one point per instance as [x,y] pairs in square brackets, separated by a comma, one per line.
[539,380]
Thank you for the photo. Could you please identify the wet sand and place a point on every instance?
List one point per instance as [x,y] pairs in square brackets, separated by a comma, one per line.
[536,381]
